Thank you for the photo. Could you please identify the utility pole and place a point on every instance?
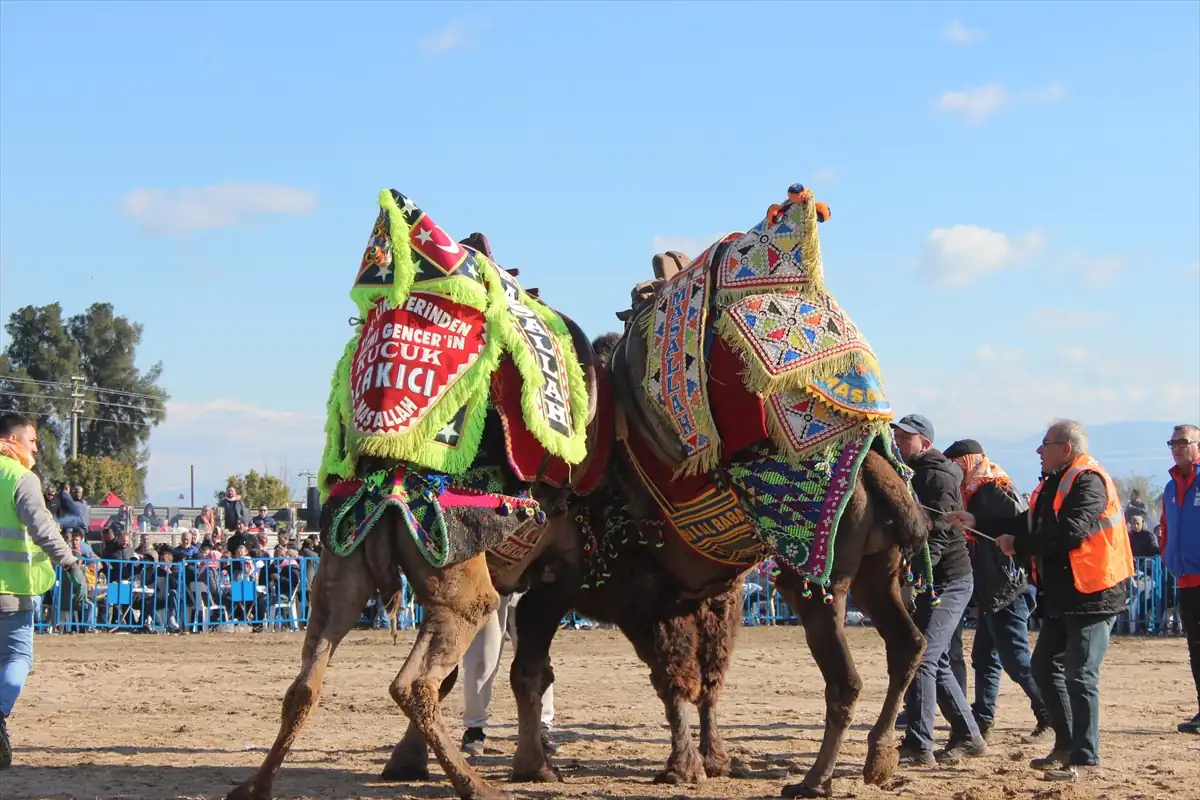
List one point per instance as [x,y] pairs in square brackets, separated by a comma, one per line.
[76,410]
[309,476]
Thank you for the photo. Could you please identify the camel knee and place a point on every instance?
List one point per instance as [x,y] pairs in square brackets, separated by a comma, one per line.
[841,696]
[418,699]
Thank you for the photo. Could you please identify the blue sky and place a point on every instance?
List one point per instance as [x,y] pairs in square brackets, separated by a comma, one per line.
[1015,187]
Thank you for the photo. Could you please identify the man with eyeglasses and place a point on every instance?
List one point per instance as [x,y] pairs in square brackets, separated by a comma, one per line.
[1181,544]
[1075,533]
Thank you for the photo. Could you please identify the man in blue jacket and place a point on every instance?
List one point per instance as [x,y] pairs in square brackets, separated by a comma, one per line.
[1181,552]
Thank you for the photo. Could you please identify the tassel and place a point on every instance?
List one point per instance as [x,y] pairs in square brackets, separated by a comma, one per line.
[540,517]
[505,509]
[806,593]
[828,599]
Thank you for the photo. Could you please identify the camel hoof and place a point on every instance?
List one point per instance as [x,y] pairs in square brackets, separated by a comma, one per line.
[804,790]
[404,773]
[545,774]
[247,792]
[672,776]
[882,762]
[739,769]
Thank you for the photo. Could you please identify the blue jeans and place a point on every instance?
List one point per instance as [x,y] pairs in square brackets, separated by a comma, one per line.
[16,656]
[1066,666]
[1002,644]
[934,680]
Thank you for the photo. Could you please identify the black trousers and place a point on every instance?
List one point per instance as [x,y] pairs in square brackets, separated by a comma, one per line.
[1189,612]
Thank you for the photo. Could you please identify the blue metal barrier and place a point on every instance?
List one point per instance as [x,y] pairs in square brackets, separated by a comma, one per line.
[273,594]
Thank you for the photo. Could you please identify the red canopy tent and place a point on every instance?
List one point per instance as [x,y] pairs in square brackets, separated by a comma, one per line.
[111,500]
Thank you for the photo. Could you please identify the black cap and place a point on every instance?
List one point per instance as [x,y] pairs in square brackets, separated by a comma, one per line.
[963,447]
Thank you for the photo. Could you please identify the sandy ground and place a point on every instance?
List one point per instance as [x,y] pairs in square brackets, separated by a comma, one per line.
[189,717]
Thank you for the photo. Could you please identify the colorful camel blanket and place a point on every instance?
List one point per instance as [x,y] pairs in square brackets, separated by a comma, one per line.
[449,519]
[762,294]
[437,318]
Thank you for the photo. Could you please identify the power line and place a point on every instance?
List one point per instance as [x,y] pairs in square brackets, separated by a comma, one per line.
[85,400]
[68,386]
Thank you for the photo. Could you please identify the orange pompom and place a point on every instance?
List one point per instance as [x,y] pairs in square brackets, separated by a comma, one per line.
[823,212]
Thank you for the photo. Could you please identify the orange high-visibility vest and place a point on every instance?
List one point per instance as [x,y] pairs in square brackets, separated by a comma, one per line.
[1105,557]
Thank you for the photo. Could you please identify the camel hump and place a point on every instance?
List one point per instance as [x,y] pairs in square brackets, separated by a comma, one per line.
[667,264]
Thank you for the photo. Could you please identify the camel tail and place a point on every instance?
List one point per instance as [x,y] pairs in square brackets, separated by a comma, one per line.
[911,523]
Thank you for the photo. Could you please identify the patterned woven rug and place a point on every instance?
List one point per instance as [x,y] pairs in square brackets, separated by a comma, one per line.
[449,519]
[675,374]
[797,507]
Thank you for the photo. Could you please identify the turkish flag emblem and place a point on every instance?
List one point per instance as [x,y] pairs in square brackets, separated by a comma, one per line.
[408,357]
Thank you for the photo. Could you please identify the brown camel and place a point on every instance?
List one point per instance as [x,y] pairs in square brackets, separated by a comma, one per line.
[682,611]
[456,601]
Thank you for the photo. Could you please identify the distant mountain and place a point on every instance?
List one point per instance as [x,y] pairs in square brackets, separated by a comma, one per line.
[1124,448]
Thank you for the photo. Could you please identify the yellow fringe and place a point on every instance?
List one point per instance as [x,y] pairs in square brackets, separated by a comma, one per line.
[804,217]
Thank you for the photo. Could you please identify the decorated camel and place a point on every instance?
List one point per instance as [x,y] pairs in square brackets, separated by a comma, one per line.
[464,415]
[752,424]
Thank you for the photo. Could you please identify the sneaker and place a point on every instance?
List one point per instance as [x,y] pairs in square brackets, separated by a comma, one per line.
[5,745]
[1042,733]
[958,749]
[916,758]
[473,741]
[548,744]
[1191,726]
[1058,759]
[1065,775]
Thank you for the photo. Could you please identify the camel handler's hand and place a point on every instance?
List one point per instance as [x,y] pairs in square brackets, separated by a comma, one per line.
[1007,544]
[960,519]
[78,579]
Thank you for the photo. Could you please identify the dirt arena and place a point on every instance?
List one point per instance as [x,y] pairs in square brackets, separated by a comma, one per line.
[118,716]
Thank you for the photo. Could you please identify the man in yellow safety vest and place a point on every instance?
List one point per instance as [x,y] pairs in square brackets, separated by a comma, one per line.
[30,545]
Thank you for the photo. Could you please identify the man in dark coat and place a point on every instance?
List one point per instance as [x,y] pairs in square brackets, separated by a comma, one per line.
[1003,594]
[1076,535]
[936,481]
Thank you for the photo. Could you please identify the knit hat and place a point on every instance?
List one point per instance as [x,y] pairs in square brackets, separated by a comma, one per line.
[963,447]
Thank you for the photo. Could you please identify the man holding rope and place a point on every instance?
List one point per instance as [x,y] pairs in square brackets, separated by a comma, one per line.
[29,542]
[938,613]
[1075,533]
[1002,593]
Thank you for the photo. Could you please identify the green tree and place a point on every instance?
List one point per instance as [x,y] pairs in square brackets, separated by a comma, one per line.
[99,476]
[121,404]
[259,490]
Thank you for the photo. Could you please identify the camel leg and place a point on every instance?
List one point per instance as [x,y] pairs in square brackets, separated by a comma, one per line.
[670,647]
[538,615]
[340,590]
[877,589]
[410,757]
[462,597]
[824,629]
[718,621]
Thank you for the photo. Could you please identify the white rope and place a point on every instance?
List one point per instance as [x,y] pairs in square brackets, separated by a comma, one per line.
[969,530]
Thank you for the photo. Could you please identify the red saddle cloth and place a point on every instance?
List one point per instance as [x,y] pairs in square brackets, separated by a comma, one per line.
[526,454]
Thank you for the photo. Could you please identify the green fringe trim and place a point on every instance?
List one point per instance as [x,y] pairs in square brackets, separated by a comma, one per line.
[337,460]
[404,270]
[573,449]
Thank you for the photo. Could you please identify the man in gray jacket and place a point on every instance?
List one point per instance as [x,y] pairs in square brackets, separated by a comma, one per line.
[30,546]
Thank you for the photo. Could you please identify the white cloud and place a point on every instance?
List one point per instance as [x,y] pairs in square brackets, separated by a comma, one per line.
[1005,396]
[1050,93]
[224,437]
[955,32]
[1066,320]
[954,257]
[975,105]
[691,246]
[447,39]
[824,177]
[176,211]
[1095,273]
